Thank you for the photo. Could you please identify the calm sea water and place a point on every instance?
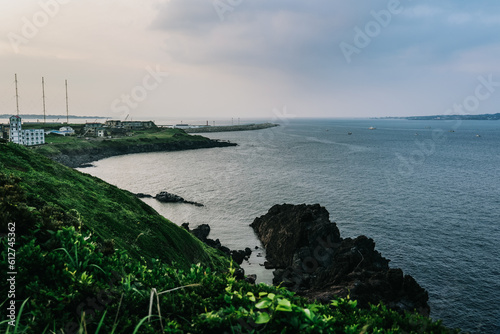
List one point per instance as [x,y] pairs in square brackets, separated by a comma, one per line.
[427,192]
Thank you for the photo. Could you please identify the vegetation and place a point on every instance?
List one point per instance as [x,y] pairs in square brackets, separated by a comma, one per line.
[70,145]
[108,212]
[91,258]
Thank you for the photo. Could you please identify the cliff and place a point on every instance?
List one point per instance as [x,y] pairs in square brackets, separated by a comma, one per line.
[78,158]
[312,259]
[75,152]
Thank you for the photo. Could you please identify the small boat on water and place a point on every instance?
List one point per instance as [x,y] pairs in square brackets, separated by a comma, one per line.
[371,128]
[349,133]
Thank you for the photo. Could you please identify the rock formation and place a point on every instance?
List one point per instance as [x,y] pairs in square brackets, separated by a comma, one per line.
[313,260]
[166,197]
[202,232]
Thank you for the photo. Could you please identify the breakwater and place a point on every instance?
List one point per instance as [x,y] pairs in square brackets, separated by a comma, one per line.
[224,128]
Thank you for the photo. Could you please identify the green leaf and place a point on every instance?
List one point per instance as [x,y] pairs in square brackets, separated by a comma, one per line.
[309,315]
[262,318]
[251,296]
[284,305]
[265,303]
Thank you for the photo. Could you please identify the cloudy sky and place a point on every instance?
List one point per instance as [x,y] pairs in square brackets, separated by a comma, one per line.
[251,58]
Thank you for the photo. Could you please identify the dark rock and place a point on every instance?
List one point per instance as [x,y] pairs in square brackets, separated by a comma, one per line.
[248,251]
[166,197]
[201,232]
[141,195]
[251,278]
[239,274]
[287,227]
[224,249]
[238,256]
[267,265]
[314,261]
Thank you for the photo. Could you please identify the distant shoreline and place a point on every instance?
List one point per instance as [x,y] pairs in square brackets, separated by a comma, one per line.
[225,128]
[483,117]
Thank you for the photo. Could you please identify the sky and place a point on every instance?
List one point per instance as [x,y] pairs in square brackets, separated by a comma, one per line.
[155,59]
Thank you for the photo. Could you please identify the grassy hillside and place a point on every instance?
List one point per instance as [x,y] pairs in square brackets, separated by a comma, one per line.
[71,144]
[106,211]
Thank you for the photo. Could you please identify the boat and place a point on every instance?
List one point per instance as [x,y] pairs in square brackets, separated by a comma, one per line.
[371,128]
[349,133]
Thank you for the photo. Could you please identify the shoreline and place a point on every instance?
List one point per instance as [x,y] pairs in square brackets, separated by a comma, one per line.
[227,128]
[80,158]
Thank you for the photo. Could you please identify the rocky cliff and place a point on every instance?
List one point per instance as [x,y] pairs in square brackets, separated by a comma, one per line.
[311,258]
[81,157]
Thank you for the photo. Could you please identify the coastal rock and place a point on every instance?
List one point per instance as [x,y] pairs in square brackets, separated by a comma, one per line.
[166,197]
[202,232]
[142,195]
[313,260]
[77,158]
[287,228]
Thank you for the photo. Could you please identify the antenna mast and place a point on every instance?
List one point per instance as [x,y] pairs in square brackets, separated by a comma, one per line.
[67,110]
[17,96]
[43,95]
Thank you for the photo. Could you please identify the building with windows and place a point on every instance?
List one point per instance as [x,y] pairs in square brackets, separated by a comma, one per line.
[24,137]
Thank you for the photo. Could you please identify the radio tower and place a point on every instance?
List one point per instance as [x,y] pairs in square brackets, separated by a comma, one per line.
[17,96]
[67,110]
[43,96]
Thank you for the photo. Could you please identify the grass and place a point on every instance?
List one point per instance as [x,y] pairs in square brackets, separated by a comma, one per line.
[109,212]
[71,145]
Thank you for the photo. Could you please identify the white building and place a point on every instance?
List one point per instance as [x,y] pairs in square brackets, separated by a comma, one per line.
[67,131]
[25,137]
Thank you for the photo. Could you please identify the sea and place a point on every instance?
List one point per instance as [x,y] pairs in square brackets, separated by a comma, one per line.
[427,192]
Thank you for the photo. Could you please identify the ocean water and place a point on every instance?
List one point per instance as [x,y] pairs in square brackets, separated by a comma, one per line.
[427,192]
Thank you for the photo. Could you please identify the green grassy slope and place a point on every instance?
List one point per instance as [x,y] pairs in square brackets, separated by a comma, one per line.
[107,211]
[73,145]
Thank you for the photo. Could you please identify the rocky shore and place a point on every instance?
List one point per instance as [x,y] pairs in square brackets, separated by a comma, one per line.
[166,197]
[81,158]
[310,258]
[238,256]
